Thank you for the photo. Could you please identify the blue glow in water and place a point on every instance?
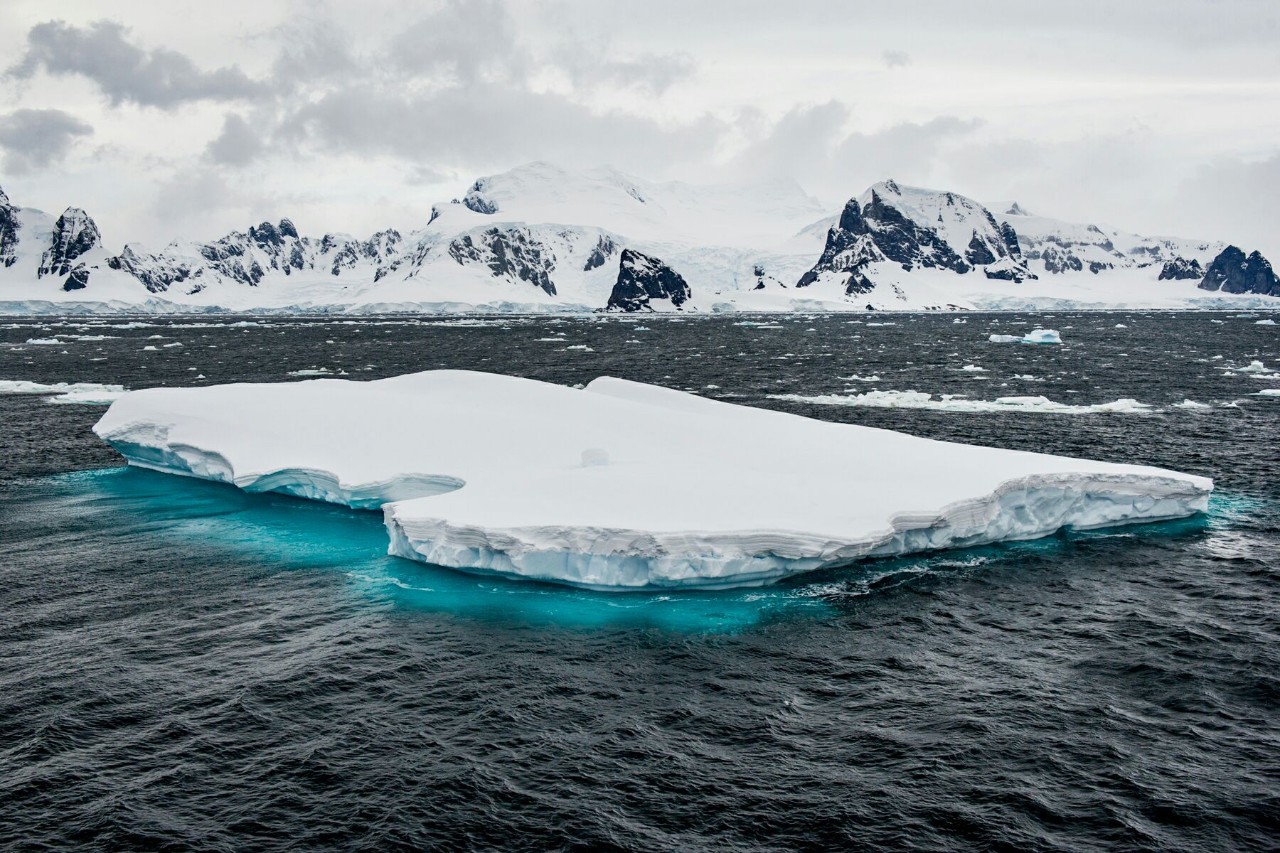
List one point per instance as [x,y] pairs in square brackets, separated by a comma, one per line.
[284,533]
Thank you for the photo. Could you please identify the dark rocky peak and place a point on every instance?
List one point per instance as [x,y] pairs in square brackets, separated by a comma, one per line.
[900,239]
[1179,268]
[851,218]
[892,186]
[847,253]
[267,235]
[1016,209]
[73,234]
[383,244]
[475,199]
[287,229]
[1234,272]
[600,255]
[643,279]
[510,252]
[1010,238]
[8,232]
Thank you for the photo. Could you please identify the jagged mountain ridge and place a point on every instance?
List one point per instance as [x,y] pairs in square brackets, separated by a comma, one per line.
[915,228]
[543,238]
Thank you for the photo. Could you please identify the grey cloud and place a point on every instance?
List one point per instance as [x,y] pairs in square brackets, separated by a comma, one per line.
[312,50]
[34,139]
[103,53]
[490,124]
[237,145]
[466,40]
[896,58]
[651,72]
[1239,198]
[813,145]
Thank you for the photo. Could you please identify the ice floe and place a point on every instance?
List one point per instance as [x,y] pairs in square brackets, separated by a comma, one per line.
[90,393]
[622,485]
[1035,336]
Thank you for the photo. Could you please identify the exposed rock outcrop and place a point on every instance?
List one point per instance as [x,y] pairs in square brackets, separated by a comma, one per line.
[1181,268]
[1234,272]
[511,252]
[73,234]
[600,255]
[8,232]
[642,280]
[915,229]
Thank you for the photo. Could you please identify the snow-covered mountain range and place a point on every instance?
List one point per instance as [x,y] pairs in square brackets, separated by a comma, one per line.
[540,238]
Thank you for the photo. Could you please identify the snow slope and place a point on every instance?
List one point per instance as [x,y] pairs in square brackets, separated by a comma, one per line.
[622,485]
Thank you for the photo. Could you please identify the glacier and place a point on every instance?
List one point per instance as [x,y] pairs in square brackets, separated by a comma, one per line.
[622,485]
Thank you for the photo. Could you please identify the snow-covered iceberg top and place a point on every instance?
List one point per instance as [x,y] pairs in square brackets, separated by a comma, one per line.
[622,485]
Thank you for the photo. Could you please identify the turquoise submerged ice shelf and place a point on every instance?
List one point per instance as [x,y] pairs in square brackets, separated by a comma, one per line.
[211,527]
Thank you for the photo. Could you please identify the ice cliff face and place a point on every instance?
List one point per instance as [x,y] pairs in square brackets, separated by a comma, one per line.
[642,281]
[1232,272]
[916,229]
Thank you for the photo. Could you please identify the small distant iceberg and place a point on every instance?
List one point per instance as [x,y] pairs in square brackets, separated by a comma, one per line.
[622,485]
[88,393]
[1035,336]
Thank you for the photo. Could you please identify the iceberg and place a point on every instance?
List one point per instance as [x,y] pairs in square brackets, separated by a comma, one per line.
[1042,336]
[622,485]
[1035,336]
[90,393]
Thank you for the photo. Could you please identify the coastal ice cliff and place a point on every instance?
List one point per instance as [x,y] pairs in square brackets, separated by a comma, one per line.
[622,485]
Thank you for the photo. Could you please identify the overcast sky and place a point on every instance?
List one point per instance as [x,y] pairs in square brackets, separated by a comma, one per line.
[188,119]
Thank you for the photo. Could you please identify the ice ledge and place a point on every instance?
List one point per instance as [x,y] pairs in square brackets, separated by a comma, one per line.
[623,485]
[1025,508]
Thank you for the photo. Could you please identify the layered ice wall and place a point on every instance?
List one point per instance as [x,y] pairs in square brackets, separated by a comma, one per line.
[622,485]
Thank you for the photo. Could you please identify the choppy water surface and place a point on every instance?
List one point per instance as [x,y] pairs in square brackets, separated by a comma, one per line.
[184,665]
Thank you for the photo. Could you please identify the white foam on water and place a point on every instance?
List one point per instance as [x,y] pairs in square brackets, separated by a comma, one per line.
[960,403]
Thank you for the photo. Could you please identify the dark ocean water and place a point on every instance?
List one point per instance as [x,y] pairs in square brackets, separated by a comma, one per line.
[186,666]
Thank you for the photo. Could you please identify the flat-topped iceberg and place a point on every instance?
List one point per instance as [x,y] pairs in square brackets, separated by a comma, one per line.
[1035,336]
[623,485]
